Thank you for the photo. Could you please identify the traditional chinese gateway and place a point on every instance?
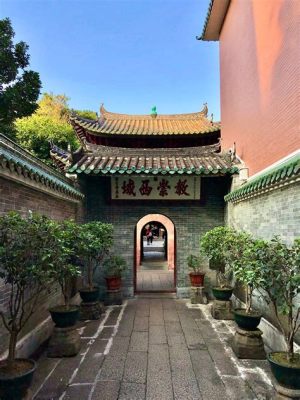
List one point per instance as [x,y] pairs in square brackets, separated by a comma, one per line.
[168,170]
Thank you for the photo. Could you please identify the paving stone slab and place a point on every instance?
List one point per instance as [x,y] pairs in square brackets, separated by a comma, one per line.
[120,345]
[185,384]
[106,332]
[176,339]
[44,367]
[206,329]
[78,392]
[88,369]
[136,367]
[106,390]
[237,388]
[139,341]
[98,346]
[91,327]
[157,334]
[159,381]
[173,328]
[221,359]
[113,367]
[263,388]
[210,383]
[132,391]
[141,324]
[113,316]
[58,381]
[170,315]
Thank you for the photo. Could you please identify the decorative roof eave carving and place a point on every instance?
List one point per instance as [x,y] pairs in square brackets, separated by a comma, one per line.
[19,165]
[280,176]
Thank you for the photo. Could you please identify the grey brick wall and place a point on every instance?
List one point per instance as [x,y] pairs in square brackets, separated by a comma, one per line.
[191,219]
[273,213]
[269,214]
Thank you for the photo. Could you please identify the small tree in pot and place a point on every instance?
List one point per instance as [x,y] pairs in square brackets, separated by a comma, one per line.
[94,239]
[246,265]
[195,265]
[113,267]
[281,282]
[215,245]
[29,250]
[66,315]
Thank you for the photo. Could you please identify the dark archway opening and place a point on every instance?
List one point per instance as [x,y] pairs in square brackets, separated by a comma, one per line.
[155,243]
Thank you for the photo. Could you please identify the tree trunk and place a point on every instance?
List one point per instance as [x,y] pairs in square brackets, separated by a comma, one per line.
[248,299]
[12,347]
[90,275]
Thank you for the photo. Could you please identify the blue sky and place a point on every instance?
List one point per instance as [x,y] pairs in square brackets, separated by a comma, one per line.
[128,54]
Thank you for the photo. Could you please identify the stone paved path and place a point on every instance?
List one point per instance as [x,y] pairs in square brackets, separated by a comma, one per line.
[154,348]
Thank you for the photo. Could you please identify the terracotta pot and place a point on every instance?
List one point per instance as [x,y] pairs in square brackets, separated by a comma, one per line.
[15,387]
[197,279]
[113,282]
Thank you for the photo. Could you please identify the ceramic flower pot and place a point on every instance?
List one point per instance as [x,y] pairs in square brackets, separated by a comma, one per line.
[222,294]
[15,383]
[286,373]
[246,321]
[89,296]
[63,317]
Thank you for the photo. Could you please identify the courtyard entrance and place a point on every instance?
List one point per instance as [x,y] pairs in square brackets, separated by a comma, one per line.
[155,250]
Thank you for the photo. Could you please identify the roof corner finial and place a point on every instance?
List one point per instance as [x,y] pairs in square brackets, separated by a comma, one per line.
[204,111]
[212,118]
[153,112]
[102,109]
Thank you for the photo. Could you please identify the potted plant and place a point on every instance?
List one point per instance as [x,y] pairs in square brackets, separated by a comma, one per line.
[196,274]
[94,240]
[246,265]
[66,315]
[215,245]
[113,267]
[29,250]
[281,282]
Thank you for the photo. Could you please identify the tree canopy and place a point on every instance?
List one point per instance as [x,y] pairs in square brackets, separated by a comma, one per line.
[19,87]
[49,123]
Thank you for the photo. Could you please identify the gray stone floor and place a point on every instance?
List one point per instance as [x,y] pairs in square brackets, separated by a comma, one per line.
[154,276]
[154,348]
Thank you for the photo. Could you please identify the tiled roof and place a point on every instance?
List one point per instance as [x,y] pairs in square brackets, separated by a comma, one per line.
[214,20]
[60,157]
[21,162]
[281,175]
[153,161]
[123,124]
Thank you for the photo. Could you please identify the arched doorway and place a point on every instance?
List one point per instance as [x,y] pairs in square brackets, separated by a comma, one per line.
[155,262]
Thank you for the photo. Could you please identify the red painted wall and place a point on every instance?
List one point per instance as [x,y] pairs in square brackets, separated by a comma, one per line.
[260,80]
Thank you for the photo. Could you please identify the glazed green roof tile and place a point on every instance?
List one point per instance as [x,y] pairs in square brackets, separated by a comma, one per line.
[209,164]
[281,173]
[16,156]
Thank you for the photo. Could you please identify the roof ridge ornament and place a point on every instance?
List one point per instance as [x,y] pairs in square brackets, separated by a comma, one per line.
[153,112]
[204,110]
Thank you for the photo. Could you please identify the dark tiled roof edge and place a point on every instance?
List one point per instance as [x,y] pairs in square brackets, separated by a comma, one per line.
[22,160]
[281,175]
